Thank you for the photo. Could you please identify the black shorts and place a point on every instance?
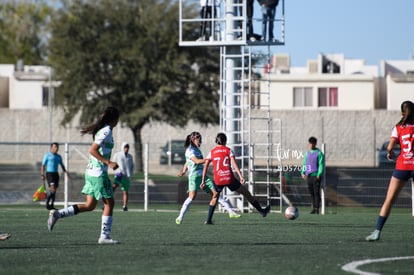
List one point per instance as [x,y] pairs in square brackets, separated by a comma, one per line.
[404,175]
[232,186]
[52,178]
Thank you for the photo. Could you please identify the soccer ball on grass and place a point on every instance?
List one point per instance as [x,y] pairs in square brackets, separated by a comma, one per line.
[291,213]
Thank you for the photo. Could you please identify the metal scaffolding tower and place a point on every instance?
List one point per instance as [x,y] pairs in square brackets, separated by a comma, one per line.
[244,108]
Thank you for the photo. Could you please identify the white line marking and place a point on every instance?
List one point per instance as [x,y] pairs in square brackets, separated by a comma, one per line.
[353,266]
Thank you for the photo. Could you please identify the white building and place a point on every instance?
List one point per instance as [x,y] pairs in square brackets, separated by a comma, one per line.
[332,82]
[399,82]
[24,87]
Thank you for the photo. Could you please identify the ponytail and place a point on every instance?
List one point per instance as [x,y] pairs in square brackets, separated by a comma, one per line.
[110,114]
[407,112]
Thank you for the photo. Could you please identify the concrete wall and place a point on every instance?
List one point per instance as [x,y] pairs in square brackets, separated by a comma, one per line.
[351,137]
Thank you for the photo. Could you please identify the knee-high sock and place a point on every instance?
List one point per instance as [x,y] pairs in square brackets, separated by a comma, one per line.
[211,209]
[380,222]
[52,199]
[226,204]
[184,208]
[106,227]
[48,199]
[256,205]
[68,212]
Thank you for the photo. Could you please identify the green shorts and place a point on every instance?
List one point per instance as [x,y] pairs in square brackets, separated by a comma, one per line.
[98,187]
[195,181]
[124,183]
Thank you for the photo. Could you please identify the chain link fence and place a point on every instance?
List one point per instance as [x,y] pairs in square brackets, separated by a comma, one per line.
[20,177]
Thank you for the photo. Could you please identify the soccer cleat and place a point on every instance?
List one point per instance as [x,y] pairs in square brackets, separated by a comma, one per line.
[107,241]
[125,209]
[234,215]
[177,221]
[53,217]
[208,222]
[315,211]
[374,236]
[4,236]
[266,211]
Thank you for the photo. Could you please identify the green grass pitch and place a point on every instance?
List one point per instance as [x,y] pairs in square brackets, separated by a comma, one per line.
[153,244]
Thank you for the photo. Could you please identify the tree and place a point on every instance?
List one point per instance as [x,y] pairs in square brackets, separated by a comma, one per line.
[23,28]
[126,54]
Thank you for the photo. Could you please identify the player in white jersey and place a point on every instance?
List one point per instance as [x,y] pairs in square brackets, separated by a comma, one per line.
[194,165]
[124,173]
[97,183]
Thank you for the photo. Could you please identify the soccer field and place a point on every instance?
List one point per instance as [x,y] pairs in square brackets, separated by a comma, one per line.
[153,244]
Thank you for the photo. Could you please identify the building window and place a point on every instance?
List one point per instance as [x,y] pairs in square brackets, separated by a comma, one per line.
[328,97]
[302,97]
[45,96]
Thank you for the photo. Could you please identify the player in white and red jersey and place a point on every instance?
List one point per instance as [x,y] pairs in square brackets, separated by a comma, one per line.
[402,133]
[223,160]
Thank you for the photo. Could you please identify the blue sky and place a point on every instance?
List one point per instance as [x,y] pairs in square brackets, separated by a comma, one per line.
[372,30]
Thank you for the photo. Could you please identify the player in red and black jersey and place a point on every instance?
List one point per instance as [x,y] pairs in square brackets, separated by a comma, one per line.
[223,160]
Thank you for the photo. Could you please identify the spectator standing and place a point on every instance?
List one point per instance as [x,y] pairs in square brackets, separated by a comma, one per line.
[207,11]
[312,171]
[250,32]
[124,173]
[50,171]
[402,133]
[268,18]
[249,23]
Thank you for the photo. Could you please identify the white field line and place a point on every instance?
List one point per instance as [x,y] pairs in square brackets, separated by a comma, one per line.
[353,266]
